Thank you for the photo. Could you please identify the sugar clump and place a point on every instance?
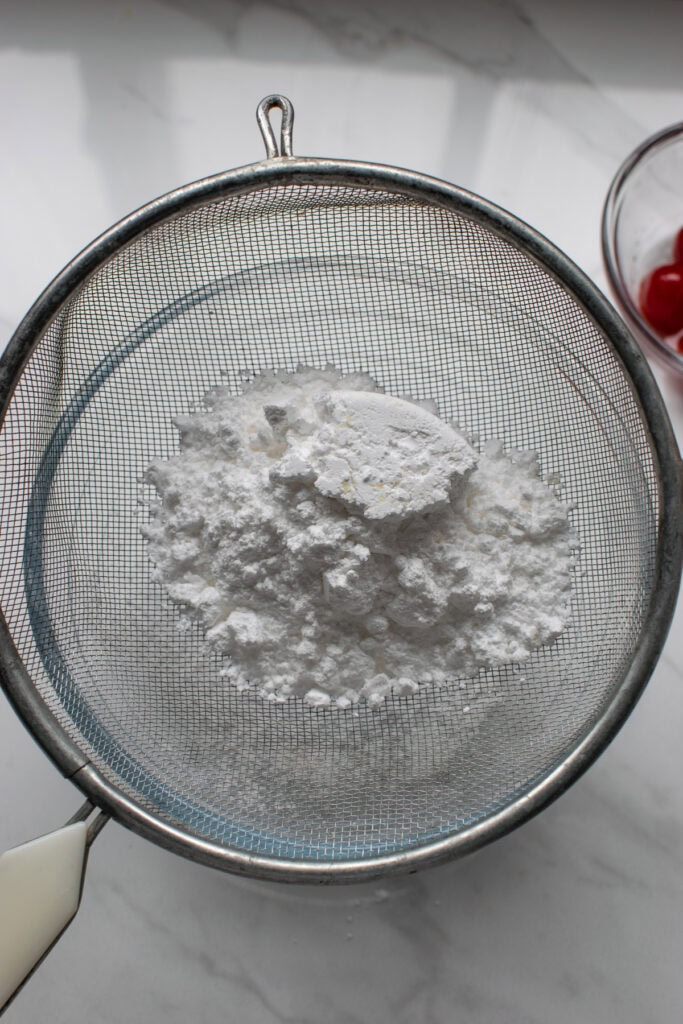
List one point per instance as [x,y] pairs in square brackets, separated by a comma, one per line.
[339,544]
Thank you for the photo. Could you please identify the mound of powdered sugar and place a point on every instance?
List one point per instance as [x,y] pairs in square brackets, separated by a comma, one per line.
[338,544]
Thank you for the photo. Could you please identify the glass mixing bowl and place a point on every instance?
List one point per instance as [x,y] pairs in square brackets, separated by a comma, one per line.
[642,213]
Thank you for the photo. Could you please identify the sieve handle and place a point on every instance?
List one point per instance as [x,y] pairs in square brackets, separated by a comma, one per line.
[40,891]
[262,111]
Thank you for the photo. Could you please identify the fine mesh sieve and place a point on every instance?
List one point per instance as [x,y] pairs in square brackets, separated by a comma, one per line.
[436,294]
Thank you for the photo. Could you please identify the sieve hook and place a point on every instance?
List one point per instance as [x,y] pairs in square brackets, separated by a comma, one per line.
[262,112]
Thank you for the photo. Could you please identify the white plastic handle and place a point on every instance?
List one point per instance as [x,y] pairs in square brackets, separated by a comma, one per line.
[40,889]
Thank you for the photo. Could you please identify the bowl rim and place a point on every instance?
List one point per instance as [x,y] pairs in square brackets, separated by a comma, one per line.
[610,215]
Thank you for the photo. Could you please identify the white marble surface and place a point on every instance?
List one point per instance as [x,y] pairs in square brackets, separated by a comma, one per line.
[576,917]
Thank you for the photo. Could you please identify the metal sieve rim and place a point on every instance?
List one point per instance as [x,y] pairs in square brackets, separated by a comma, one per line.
[287,170]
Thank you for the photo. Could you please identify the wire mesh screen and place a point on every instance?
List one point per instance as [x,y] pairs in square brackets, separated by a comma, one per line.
[431,305]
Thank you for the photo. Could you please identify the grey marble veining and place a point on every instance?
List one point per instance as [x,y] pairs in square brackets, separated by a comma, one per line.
[578,916]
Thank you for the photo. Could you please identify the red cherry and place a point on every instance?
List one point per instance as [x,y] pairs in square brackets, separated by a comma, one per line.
[661,298]
[679,344]
[678,247]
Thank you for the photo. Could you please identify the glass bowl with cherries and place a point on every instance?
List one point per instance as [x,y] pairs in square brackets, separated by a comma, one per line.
[642,243]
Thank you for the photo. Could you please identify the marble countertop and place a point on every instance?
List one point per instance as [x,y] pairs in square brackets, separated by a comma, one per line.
[578,915]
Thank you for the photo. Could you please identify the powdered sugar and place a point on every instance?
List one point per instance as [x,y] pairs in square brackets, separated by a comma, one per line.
[339,544]
[378,455]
